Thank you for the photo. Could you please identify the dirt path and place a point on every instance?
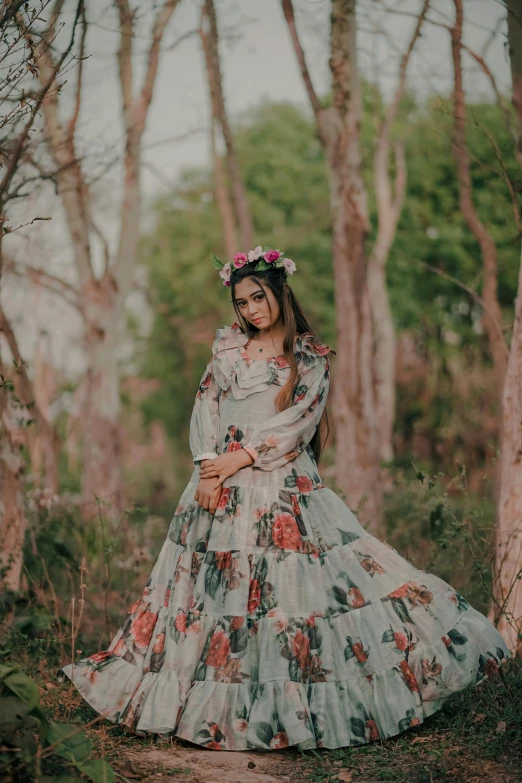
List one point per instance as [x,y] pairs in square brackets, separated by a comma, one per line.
[203,766]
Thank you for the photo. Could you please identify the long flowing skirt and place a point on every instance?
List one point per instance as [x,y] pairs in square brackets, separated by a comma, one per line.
[279,621]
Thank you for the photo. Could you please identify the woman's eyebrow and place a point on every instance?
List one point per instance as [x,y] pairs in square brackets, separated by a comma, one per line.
[242,298]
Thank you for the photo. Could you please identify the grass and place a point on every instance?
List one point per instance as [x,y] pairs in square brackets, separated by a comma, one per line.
[476,736]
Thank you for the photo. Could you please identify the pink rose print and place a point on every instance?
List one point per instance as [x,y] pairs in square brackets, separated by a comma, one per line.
[302,649]
[401,641]
[415,722]
[359,653]
[254,596]
[401,592]
[224,560]
[142,628]
[234,445]
[372,727]
[159,644]
[411,680]
[180,623]
[214,745]
[285,532]
[100,656]
[236,622]
[491,667]
[357,598]
[279,741]
[119,647]
[223,500]
[447,641]
[304,484]
[219,649]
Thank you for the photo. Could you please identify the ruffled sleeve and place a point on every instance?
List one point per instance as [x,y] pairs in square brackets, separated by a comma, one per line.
[283,437]
[204,422]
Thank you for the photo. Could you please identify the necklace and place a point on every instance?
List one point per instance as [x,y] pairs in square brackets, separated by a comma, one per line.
[263,346]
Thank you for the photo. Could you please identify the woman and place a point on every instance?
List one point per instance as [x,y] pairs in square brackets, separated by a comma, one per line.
[271,617]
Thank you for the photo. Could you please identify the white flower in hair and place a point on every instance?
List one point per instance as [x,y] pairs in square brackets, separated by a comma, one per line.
[225,273]
[255,254]
[289,265]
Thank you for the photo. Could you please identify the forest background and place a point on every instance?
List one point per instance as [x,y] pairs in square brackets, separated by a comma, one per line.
[95,488]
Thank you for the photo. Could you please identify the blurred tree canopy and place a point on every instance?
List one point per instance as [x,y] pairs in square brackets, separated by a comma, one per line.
[286,177]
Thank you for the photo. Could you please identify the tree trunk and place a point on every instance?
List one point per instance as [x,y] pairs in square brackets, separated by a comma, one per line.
[514,19]
[389,202]
[508,551]
[103,298]
[492,318]
[223,200]
[221,193]
[45,432]
[210,40]
[13,522]
[101,449]
[338,128]
[508,568]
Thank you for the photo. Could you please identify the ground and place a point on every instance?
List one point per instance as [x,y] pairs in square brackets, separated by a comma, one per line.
[475,738]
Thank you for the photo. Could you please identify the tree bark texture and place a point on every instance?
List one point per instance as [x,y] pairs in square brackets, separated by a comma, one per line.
[389,200]
[210,42]
[354,406]
[13,522]
[514,19]
[507,584]
[221,192]
[492,318]
[103,298]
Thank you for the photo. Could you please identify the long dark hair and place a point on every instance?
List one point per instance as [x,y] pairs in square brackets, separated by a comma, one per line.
[295,323]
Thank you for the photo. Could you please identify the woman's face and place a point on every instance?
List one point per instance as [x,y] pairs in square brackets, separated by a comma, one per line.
[257,304]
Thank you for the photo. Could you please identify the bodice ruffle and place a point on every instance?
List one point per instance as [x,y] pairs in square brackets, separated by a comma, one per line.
[235,371]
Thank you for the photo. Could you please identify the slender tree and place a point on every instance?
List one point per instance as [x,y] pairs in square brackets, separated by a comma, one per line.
[220,123]
[389,195]
[338,128]
[508,550]
[104,295]
[492,318]
[20,104]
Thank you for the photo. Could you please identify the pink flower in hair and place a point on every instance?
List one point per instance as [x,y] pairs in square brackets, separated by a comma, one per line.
[240,260]
[225,274]
[289,265]
[271,255]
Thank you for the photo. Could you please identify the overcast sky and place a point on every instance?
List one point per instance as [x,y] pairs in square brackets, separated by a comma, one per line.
[258,64]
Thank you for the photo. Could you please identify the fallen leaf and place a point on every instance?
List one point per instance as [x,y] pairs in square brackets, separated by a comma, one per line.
[251,765]
[479,717]
[501,727]
[345,776]
[427,738]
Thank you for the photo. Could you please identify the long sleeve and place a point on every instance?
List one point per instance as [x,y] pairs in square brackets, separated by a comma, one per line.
[204,422]
[283,437]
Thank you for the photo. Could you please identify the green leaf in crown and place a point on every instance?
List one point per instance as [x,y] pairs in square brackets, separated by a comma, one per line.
[262,266]
[216,262]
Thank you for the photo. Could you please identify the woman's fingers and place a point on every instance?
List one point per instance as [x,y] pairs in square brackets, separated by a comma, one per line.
[208,473]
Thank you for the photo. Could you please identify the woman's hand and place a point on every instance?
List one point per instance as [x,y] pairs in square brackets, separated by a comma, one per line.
[225,465]
[207,494]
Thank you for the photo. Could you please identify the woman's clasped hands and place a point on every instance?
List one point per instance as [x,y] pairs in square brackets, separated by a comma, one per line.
[213,473]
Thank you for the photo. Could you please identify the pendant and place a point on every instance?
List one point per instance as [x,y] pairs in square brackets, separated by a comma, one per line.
[260,350]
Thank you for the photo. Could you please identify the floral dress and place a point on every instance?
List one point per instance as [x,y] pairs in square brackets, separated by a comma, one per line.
[279,620]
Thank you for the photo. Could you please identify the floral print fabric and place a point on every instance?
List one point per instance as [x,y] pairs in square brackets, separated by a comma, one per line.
[279,621]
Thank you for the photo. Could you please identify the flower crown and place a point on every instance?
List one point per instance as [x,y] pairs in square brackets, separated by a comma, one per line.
[266,259]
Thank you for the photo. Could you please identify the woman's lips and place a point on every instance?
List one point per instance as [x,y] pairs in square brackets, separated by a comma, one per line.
[256,320]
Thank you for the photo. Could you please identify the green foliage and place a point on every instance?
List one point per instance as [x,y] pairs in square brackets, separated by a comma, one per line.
[286,178]
[28,739]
